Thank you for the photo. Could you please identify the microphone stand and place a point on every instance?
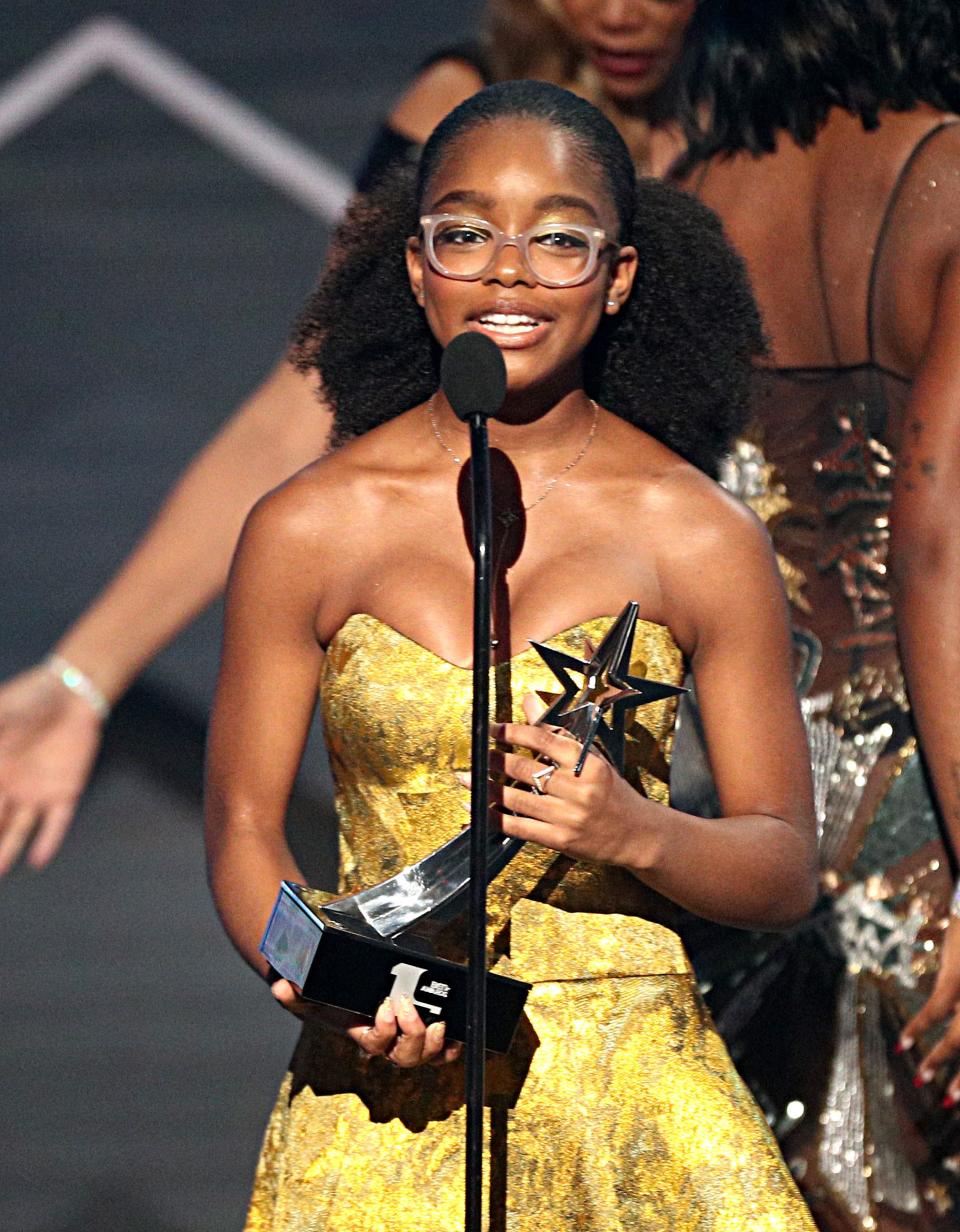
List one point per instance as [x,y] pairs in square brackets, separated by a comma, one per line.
[482,533]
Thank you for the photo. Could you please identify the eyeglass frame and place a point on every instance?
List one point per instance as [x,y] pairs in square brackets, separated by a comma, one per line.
[595,236]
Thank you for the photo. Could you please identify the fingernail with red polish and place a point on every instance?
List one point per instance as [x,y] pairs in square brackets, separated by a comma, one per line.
[949,1101]
[902,1045]
[922,1078]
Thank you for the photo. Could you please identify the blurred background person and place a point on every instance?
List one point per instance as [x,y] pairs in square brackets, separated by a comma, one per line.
[823,134]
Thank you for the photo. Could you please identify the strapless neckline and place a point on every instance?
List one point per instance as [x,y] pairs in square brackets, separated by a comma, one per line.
[391,631]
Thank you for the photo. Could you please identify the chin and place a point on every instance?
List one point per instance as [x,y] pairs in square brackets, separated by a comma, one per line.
[524,371]
[635,91]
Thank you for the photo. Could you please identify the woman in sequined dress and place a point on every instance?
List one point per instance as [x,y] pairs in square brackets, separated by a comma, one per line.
[823,136]
[617,1107]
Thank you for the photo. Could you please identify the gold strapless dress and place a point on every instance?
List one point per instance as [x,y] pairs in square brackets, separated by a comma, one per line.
[617,1108]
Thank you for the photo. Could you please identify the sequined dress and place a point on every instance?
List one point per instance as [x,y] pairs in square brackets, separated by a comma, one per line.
[812,1018]
[617,1107]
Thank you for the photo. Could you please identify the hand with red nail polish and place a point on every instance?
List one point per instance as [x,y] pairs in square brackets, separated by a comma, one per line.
[943,1005]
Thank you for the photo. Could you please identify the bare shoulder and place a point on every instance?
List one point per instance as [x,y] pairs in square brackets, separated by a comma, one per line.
[704,551]
[715,565]
[851,159]
[917,153]
[666,145]
[438,89]
[688,506]
[332,499]
[670,496]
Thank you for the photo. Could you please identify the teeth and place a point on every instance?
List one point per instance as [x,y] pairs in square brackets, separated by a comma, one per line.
[500,320]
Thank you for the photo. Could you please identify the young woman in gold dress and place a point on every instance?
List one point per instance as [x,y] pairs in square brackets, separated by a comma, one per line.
[628,331]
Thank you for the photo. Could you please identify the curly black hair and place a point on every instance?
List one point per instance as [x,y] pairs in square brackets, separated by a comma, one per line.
[676,361]
[751,71]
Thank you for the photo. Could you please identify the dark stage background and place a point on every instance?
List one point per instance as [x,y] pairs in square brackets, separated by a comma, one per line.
[149,280]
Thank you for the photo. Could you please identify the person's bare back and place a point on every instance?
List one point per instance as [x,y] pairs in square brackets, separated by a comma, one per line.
[808,222]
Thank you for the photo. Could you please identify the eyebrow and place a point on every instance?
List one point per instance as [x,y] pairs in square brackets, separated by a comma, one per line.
[566,201]
[461,196]
[552,202]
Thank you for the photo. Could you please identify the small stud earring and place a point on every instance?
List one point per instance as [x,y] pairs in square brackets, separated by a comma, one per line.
[613,303]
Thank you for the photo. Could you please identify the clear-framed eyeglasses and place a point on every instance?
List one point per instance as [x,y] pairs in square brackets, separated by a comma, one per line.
[557,254]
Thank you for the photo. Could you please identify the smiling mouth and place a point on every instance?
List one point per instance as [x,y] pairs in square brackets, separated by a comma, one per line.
[511,324]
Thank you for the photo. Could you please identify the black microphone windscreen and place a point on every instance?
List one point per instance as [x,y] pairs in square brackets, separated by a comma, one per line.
[473,375]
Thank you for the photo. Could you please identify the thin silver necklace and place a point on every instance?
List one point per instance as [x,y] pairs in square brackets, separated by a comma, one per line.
[507,517]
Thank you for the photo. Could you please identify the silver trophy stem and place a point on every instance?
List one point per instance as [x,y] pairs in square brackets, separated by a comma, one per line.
[434,887]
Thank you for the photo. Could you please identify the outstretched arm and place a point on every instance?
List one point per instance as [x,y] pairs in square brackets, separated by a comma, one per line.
[181,563]
[48,735]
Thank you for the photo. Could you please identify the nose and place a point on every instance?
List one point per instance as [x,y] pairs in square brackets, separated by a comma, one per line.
[621,14]
[509,267]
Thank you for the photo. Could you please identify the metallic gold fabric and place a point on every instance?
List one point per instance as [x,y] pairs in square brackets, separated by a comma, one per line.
[746,473]
[617,1107]
[857,478]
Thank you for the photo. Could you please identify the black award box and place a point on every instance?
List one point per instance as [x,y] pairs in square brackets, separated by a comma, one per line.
[334,963]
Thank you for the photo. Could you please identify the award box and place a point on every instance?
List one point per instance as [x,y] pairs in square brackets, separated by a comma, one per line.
[336,964]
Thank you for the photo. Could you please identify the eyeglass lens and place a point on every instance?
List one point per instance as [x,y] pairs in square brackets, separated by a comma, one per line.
[555,253]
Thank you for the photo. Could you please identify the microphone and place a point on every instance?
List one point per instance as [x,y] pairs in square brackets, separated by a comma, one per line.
[473,376]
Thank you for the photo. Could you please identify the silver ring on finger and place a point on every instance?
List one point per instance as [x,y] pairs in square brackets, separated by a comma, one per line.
[541,778]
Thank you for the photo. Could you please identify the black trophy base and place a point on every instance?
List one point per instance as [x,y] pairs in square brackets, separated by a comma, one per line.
[336,965]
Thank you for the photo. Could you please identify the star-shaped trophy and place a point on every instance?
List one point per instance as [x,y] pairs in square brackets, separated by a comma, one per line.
[595,712]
